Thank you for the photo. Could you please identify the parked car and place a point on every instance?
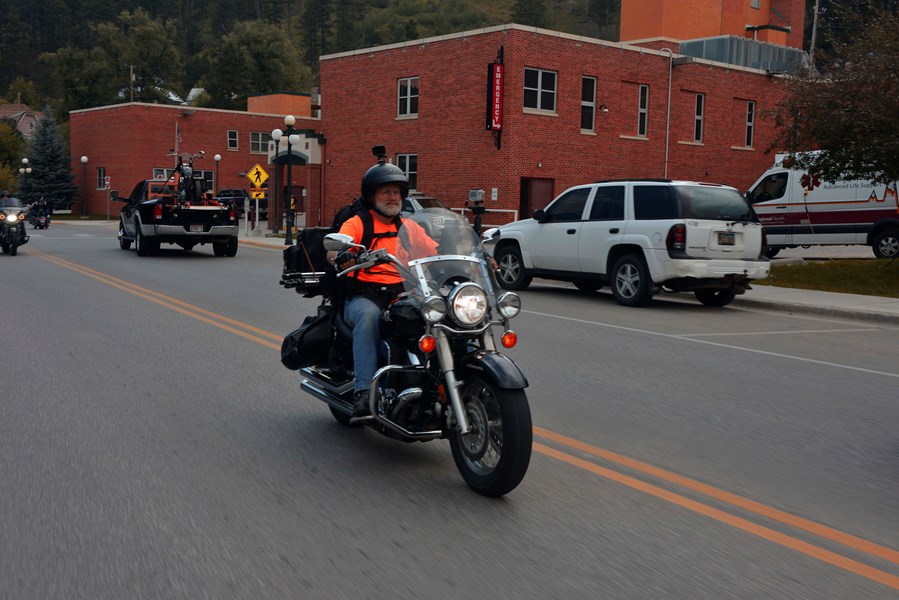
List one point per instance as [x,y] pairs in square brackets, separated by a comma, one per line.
[236,195]
[416,203]
[641,237]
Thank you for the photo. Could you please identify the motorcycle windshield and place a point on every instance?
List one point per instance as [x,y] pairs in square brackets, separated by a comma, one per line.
[458,256]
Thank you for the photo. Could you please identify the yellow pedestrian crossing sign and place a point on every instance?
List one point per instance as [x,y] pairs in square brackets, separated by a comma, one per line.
[257,176]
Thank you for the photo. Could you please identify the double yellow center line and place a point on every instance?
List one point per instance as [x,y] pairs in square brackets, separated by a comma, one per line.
[272,340]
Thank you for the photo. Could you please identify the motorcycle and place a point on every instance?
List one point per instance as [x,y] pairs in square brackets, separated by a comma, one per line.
[41,221]
[440,373]
[12,217]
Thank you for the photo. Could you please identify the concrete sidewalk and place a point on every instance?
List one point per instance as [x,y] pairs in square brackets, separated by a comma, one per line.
[853,306]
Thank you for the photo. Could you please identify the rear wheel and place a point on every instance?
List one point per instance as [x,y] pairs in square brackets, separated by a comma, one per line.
[512,274]
[886,244]
[124,243]
[630,281]
[219,248]
[494,455]
[231,249]
[715,297]
[771,252]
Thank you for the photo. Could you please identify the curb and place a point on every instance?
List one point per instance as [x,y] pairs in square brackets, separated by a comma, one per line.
[826,311]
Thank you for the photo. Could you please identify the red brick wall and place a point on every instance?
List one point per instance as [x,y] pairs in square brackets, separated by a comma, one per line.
[130,140]
[455,153]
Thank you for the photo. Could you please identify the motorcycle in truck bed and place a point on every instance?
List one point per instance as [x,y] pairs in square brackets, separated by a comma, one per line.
[177,210]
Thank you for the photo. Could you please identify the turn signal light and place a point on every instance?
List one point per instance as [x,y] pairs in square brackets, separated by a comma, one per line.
[157,211]
[509,339]
[427,344]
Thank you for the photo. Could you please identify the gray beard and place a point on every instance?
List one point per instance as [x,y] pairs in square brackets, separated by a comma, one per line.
[388,211]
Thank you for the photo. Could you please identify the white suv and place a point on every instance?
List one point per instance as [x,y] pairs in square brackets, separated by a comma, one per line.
[642,237]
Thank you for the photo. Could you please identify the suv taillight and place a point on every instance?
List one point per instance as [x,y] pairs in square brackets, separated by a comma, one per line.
[157,211]
[677,237]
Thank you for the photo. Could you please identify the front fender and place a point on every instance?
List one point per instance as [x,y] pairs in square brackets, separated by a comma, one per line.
[496,368]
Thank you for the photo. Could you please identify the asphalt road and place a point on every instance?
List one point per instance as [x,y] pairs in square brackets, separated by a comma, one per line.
[152,446]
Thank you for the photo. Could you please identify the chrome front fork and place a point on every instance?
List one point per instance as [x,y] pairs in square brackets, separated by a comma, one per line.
[445,358]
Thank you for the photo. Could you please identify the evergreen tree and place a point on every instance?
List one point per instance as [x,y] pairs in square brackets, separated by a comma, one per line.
[529,12]
[11,144]
[51,176]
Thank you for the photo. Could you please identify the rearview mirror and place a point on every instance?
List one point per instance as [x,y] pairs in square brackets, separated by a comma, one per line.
[114,196]
[335,242]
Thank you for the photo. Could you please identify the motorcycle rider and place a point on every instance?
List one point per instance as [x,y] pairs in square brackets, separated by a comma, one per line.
[369,291]
[4,195]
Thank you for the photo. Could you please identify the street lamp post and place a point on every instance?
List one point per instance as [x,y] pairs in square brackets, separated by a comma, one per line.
[218,159]
[24,170]
[292,140]
[84,187]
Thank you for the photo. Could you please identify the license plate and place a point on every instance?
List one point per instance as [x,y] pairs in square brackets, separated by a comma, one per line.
[726,238]
[200,229]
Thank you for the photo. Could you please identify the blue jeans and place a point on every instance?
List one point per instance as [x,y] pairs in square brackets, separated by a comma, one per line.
[364,316]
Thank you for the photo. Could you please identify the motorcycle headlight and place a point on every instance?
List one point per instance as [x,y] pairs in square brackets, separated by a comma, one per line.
[509,304]
[468,304]
[433,309]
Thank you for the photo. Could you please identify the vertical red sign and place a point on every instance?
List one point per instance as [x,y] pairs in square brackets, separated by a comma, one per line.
[495,95]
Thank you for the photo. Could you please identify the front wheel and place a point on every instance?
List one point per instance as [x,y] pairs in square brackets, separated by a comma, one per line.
[715,297]
[512,274]
[494,455]
[124,243]
[886,244]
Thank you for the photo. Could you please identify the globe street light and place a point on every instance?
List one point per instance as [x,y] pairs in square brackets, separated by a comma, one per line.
[289,204]
[84,187]
[277,134]
[218,159]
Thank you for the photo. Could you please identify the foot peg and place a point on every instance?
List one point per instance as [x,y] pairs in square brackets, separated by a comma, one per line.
[360,420]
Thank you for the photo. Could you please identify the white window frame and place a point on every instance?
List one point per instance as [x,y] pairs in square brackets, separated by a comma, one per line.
[403,161]
[259,142]
[162,173]
[407,101]
[750,123]
[541,90]
[588,105]
[757,4]
[699,119]
[233,139]
[643,110]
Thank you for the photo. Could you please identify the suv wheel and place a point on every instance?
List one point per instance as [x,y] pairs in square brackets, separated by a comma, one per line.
[714,297]
[630,281]
[512,274]
[140,242]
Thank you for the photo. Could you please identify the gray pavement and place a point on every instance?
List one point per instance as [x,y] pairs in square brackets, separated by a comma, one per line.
[854,306]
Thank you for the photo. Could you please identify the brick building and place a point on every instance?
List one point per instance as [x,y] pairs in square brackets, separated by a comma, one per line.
[574,109]
[130,142]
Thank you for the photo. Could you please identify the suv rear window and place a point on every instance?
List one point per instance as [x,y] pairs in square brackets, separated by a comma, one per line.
[715,204]
[690,202]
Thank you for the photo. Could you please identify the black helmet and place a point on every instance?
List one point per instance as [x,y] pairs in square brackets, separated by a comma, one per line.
[380,174]
[4,194]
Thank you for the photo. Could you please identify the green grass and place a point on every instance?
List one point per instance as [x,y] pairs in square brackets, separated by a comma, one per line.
[868,277]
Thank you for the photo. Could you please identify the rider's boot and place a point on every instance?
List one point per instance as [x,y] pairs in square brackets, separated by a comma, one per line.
[360,404]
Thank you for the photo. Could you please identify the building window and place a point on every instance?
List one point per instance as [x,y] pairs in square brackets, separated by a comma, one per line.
[407,97]
[101,178]
[588,103]
[259,142]
[698,117]
[232,139]
[643,111]
[750,123]
[755,3]
[208,179]
[408,164]
[540,89]
[160,173]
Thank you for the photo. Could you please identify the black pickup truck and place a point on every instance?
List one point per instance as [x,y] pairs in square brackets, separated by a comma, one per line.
[178,211]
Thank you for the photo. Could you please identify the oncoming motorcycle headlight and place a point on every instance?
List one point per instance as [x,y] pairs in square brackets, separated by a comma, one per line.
[433,309]
[468,304]
[509,304]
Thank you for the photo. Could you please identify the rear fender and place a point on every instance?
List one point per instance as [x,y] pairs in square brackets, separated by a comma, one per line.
[496,368]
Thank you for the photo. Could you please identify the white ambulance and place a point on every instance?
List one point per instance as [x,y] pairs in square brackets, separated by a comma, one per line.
[798,209]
